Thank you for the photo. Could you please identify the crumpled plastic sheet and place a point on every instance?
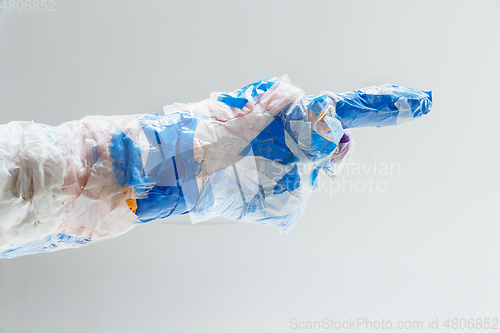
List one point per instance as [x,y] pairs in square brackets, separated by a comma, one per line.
[251,155]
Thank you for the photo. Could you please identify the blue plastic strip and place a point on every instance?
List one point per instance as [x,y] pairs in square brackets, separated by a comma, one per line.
[127,162]
[239,98]
[271,144]
[170,166]
[290,182]
[42,245]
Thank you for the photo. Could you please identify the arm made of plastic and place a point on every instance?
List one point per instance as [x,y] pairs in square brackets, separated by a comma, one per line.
[253,155]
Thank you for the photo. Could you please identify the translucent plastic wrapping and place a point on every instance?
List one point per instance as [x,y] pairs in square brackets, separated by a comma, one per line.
[250,155]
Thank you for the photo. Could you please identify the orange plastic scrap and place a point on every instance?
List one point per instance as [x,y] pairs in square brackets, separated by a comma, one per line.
[130,195]
[132,204]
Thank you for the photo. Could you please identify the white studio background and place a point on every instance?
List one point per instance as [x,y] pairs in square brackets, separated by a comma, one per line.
[425,246]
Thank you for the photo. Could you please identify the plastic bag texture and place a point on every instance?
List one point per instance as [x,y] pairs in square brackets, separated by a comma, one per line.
[253,155]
